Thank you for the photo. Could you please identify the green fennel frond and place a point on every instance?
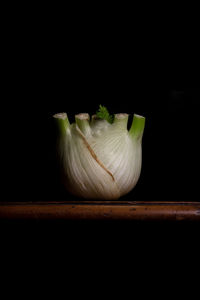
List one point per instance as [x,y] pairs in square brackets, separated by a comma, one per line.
[103,113]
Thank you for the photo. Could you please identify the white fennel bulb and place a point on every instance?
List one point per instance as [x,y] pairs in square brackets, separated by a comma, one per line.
[100,159]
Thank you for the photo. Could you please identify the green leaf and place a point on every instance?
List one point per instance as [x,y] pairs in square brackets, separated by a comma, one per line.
[103,113]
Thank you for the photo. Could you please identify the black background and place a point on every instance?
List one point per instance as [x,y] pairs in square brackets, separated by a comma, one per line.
[170,141]
[50,70]
[49,77]
[169,172]
[73,65]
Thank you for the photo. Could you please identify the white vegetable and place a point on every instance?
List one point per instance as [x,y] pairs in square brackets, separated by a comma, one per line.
[100,160]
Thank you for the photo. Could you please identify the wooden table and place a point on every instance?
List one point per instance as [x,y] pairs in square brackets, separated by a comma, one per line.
[101,210]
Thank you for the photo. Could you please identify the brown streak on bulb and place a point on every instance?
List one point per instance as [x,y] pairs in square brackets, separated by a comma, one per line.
[93,153]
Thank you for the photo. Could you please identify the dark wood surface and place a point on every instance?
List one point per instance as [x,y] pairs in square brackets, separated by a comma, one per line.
[101,210]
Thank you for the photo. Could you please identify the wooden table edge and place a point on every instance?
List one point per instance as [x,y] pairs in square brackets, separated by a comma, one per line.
[101,210]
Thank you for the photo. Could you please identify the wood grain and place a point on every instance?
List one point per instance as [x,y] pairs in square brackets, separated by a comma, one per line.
[101,210]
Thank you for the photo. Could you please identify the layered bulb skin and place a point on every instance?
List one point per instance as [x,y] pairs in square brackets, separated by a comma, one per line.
[100,160]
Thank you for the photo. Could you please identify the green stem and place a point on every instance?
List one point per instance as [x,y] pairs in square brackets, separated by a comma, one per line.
[137,127]
[82,120]
[62,123]
[121,121]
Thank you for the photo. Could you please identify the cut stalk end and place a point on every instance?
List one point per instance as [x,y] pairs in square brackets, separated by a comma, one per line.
[121,121]
[137,127]
[82,120]
[62,122]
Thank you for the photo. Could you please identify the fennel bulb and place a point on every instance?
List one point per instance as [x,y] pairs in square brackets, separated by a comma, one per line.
[100,158]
